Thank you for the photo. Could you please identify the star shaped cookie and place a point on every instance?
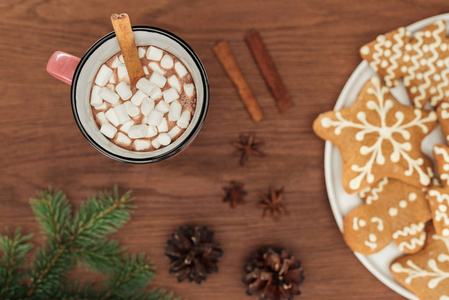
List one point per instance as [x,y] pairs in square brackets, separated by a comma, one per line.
[438,197]
[378,137]
[393,211]
[425,273]
[422,62]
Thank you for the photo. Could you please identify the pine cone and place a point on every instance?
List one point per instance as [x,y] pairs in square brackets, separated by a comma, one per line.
[273,274]
[193,253]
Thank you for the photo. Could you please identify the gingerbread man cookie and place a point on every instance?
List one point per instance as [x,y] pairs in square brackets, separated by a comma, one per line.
[439,196]
[394,211]
[425,273]
[378,137]
[422,62]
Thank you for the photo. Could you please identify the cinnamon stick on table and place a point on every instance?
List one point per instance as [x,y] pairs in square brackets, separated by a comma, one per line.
[268,70]
[227,60]
[125,37]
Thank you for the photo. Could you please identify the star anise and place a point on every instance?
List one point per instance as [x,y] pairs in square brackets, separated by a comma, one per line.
[271,203]
[234,193]
[247,146]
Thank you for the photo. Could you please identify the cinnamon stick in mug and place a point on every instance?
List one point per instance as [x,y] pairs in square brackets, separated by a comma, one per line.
[268,70]
[227,60]
[125,37]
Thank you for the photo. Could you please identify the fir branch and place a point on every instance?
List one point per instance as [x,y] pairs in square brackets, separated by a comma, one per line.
[93,221]
[14,247]
[103,256]
[52,212]
[130,281]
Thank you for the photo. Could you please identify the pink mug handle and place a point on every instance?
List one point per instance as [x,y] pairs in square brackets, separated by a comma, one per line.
[62,66]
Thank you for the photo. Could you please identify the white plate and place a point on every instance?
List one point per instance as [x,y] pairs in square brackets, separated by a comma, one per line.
[341,202]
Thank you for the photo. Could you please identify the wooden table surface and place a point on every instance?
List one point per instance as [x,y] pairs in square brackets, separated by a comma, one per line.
[315,46]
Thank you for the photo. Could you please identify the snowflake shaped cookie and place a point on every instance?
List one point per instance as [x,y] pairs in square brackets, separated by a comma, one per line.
[422,62]
[439,196]
[394,211]
[425,273]
[378,137]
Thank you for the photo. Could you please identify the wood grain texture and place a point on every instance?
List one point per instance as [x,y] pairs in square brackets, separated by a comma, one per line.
[314,45]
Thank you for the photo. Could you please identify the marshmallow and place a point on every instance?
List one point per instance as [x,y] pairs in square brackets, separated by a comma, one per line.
[158,79]
[147,106]
[174,82]
[155,117]
[162,106]
[145,70]
[132,109]
[101,118]
[167,62]
[141,145]
[95,99]
[138,97]
[108,95]
[154,53]
[175,111]
[115,63]
[152,131]
[122,60]
[112,80]
[174,132]
[112,117]
[156,93]
[122,114]
[122,73]
[188,88]
[156,143]
[145,86]
[184,120]
[180,69]
[108,130]
[102,106]
[170,95]
[163,126]
[126,126]
[155,67]
[138,131]
[111,87]
[164,139]
[122,139]
[103,75]
[141,52]
[123,90]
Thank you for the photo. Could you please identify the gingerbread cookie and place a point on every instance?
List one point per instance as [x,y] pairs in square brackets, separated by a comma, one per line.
[422,62]
[425,273]
[439,196]
[378,137]
[394,211]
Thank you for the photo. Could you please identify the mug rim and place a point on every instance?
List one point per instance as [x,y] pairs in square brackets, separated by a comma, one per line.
[186,142]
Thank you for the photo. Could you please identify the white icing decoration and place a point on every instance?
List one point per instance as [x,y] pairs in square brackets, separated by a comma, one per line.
[409,230]
[402,204]
[355,223]
[380,223]
[362,223]
[364,50]
[442,151]
[372,245]
[393,211]
[412,197]
[414,242]
[385,132]
[374,192]
[372,237]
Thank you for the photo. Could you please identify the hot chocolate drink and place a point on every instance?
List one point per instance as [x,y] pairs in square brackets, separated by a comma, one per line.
[151,114]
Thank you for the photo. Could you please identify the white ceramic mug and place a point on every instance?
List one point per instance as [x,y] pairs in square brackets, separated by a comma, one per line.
[80,73]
